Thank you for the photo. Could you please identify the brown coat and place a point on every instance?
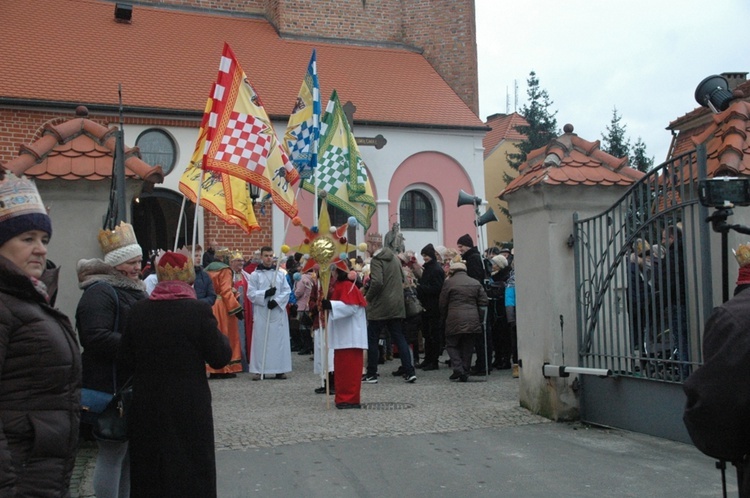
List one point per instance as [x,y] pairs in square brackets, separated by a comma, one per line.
[40,391]
[460,302]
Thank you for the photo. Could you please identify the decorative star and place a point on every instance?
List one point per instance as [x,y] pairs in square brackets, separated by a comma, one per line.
[324,245]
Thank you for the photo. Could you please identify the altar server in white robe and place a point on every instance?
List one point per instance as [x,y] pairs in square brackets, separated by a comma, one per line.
[269,291]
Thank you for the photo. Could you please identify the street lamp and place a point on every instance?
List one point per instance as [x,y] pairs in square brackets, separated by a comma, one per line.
[254,192]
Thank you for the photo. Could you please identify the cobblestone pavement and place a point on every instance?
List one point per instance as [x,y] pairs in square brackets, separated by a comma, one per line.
[268,413]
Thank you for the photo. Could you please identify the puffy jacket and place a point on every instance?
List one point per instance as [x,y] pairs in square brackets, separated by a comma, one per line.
[460,302]
[97,311]
[40,391]
[385,292]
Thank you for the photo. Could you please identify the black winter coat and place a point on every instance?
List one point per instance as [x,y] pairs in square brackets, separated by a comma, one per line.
[474,265]
[430,285]
[40,391]
[97,311]
[167,344]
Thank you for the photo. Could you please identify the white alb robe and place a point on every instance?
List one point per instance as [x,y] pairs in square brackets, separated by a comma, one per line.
[278,351]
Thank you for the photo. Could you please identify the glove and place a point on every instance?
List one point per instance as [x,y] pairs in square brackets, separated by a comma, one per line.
[272,304]
[240,315]
[326,304]
[293,309]
[270,292]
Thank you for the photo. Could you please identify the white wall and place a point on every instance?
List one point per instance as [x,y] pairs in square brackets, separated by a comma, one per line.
[465,147]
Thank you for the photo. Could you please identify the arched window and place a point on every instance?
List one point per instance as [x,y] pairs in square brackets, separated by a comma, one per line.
[416,211]
[157,149]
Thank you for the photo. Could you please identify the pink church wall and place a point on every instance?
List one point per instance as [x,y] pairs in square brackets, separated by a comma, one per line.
[447,177]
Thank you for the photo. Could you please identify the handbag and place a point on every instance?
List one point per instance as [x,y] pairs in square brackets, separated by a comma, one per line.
[112,422]
[411,302]
[92,404]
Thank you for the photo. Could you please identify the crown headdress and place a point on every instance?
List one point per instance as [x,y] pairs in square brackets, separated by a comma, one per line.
[119,245]
[742,254]
[175,266]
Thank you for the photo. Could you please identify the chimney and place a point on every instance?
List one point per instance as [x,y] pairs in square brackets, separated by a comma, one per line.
[735,79]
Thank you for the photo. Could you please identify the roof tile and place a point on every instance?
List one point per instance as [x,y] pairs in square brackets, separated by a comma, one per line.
[581,163]
[78,148]
[167,59]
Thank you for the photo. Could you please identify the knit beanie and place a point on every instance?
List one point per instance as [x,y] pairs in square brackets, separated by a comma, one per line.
[466,240]
[21,208]
[429,250]
[175,266]
[500,261]
[119,245]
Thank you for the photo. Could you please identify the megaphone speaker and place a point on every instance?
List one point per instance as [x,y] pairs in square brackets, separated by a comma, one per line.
[464,199]
[486,218]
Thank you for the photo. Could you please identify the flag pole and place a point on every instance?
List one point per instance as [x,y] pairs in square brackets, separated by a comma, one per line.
[179,223]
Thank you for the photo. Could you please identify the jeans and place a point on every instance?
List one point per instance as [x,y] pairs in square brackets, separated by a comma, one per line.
[395,328]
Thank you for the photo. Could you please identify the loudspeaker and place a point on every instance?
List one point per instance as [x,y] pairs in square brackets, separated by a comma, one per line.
[486,218]
[464,199]
[713,92]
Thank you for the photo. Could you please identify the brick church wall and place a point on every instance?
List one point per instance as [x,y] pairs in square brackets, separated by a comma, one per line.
[23,127]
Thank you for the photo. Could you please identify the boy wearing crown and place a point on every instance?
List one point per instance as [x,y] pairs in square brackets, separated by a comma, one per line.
[269,291]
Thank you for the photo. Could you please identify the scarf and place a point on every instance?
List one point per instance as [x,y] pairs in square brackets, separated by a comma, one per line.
[170,290]
[40,287]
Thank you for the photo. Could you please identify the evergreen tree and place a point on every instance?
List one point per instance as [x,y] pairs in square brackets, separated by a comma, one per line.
[541,128]
[542,124]
[639,160]
[615,142]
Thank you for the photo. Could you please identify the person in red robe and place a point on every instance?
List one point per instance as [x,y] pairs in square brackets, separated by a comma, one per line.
[226,308]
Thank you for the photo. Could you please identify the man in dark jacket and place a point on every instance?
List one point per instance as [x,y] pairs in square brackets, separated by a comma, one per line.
[718,394]
[472,258]
[475,269]
[385,309]
[428,291]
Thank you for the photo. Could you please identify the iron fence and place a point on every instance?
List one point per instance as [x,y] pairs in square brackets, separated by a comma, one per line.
[643,276]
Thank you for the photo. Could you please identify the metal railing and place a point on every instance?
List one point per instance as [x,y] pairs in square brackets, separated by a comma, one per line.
[643,287]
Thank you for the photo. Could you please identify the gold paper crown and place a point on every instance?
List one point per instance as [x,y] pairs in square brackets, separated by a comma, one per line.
[742,254]
[236,255]
[175,266]
[122,236]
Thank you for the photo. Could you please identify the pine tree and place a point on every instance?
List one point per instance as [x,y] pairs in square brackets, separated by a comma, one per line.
[541,128]
[639,160]
[615,142]
[542,124]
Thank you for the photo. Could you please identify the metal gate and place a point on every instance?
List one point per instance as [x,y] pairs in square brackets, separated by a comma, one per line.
[643,293]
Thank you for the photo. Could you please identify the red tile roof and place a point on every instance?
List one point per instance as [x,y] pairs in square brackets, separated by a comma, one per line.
[503,128]
[73,52]
[571,160]
[727,141]
[78,148]
[683,142]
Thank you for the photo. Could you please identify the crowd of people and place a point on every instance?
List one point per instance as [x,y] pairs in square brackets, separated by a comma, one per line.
[188,316]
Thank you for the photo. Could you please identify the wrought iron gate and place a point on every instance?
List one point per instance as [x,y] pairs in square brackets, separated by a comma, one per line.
[643,282]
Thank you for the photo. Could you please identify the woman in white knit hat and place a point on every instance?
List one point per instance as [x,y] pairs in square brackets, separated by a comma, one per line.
[40,362]
[110,287]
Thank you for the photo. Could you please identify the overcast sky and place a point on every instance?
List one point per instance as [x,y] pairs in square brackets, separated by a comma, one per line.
[644,57]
